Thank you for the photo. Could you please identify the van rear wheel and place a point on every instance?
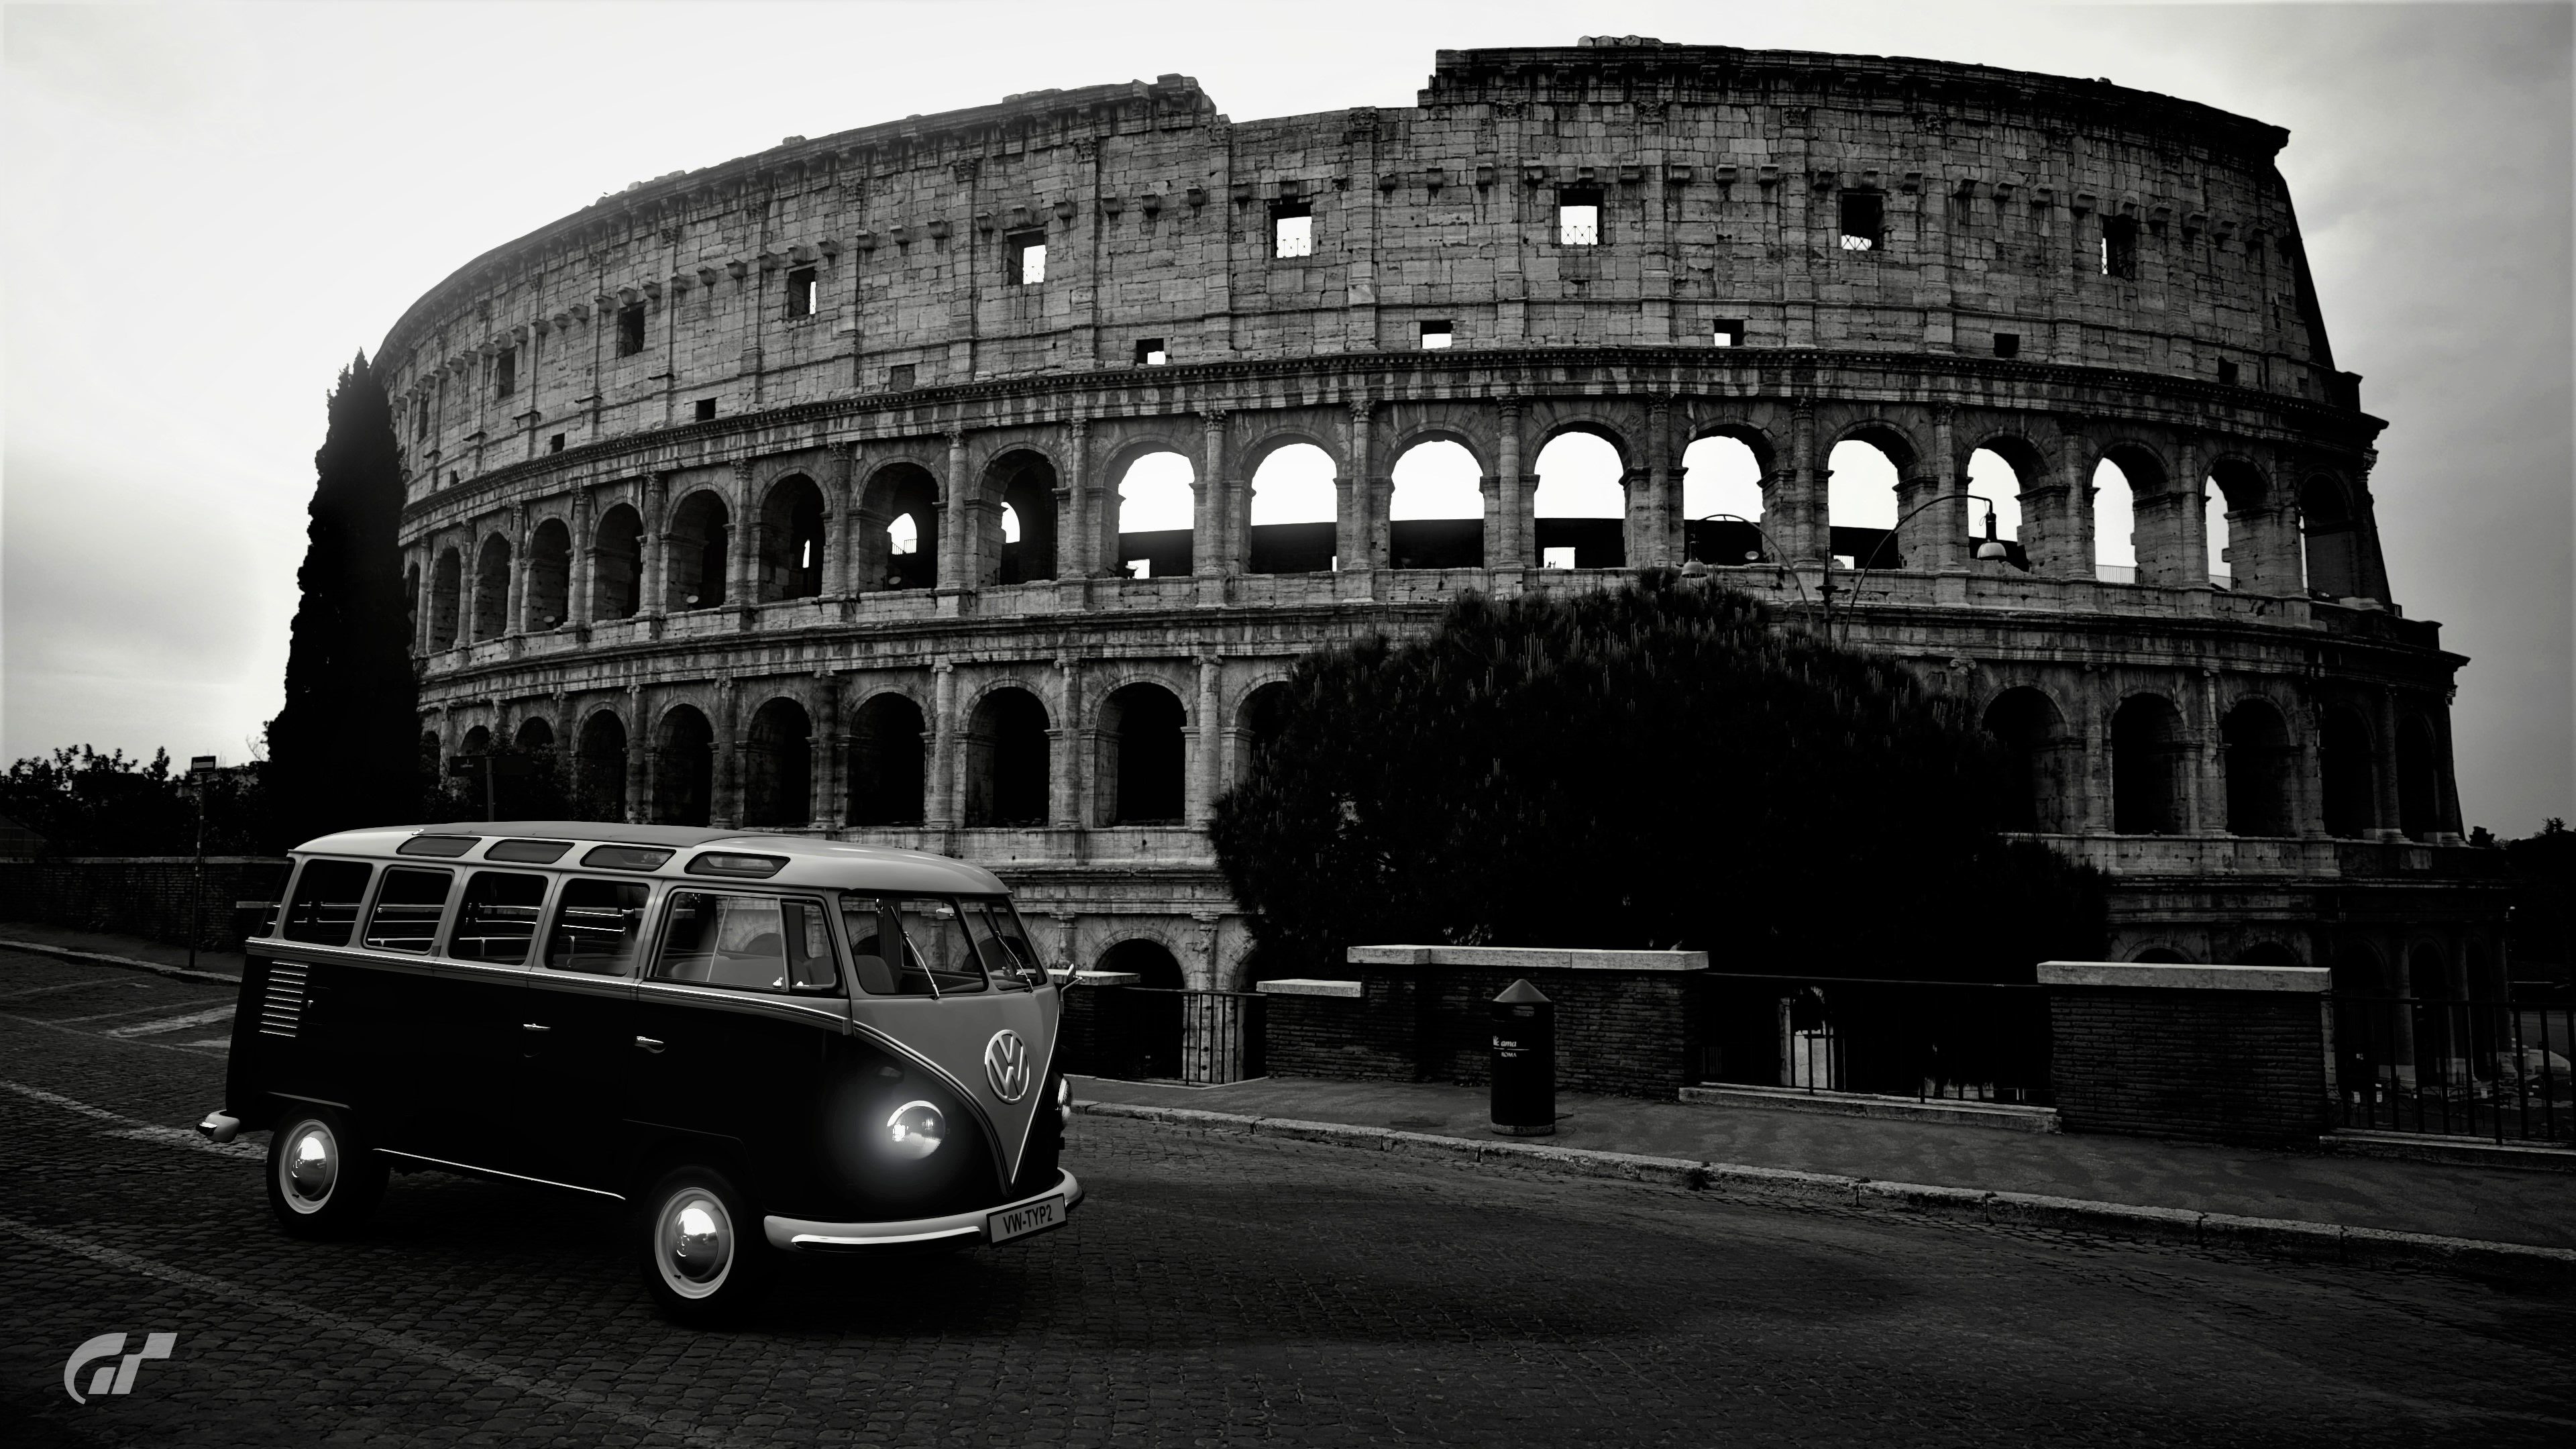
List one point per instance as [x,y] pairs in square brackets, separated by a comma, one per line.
[323,1182]
[705,1255]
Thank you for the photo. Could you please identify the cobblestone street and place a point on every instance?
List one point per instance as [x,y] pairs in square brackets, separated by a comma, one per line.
[1211,1291]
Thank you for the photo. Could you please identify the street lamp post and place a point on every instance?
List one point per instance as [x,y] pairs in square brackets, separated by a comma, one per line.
[201,768]
[1988,548]
[1773,549]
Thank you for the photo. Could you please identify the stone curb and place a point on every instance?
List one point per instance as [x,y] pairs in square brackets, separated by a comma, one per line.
[1784,1187]
[101,958]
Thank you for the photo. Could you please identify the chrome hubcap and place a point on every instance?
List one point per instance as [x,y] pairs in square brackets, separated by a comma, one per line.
[310,1168]
[695,1243]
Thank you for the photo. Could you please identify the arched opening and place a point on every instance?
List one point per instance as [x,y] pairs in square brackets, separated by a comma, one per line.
[1003,757]
[446,581]
[2366,1033]
[411,602]
[684,768]
[2147,767]
[2159,956]
[1142,759]
[2419,786]
[2350,770]
[1295,510]
[1436,514]
[1027,483]
[549,575]
[1155,1016]
[1862,474]
[2269,953]
[778,766]
[2428,981]
[1157,509]
[476,743]
[905,552]
[492,589]
[792,540]
[886,774]
[1265,718]
[1995,486]
[535,736]
[2327,535]
[1580,507]
[2233,490]
[1722,502]
[2258,758]
[599,769]
[695,560]
[617,591]
[2031,733]
[2115,524]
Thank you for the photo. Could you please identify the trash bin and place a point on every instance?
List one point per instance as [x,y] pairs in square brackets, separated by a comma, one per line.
[1524,1062]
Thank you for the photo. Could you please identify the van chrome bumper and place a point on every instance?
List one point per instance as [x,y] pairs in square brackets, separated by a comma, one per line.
[794,1234]
[219,1127]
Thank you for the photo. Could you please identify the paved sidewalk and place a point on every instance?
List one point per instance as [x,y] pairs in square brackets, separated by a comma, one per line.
[2496,1204]
[130,948]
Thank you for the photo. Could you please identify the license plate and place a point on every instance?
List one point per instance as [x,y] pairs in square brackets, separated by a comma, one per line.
[1019,1222]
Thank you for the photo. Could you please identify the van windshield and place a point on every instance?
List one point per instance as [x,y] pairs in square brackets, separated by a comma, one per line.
[936,933]
[998,938]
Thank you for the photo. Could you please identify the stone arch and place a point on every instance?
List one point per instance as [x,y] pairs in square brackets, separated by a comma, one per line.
[697,551]
[778,765]
[684,767]
[1726,473]
[887,760]
[2419,779]
[1413,433]
[1024,479]
[1155,1013]
[1579,509]
[899,528]
[492,587]
[2039,755]
[1142,775]
[1004,757]
[549,603]
[2348,770]
[1868,467]
[2330,537]
[1260,719]
[446,585]
[1293,523]
[2259,762]
[2148,767]
[1257,449]
[794,539]
[599,768]
[1436,502]
[1155,510]
[535,733]
[2018,467]
[617,573]
[2237,499]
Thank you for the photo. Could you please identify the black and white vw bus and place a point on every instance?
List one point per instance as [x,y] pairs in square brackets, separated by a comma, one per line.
[764,1044]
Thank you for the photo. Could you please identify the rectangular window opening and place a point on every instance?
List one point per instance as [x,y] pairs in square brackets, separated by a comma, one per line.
[1140,568]
[2007,344]
[802,289]
[1292,229]
[1729,333]
[505,372]
[706,410]
[2120,247]
[555,443]
[1150,353]
[1578,216]
[1556,558]
[1027,251]
[1864,221]
[1437,335]
[899,377]
[2227,374]
[630,329]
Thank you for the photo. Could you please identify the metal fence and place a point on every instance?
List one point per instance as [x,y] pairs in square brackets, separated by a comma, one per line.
[2454,1067]
[1207,1037]
[1960,1041]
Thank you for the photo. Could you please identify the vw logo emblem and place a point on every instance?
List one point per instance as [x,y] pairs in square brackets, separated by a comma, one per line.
[1006,1063]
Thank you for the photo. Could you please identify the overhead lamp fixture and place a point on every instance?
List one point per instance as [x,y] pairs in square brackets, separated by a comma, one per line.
[1992,547]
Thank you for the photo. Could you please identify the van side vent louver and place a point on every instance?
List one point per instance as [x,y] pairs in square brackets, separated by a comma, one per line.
[281,1006]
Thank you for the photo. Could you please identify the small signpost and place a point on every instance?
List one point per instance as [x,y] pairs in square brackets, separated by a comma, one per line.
[201,768]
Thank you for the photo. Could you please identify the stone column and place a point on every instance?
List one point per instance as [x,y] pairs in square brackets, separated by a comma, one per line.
[584,562]
[1080,530]
[839,510]
[1938,537]
[1663,487]
[1356,534]
[514,607]
[942,811]
[831,756]
[2094,790]
[2308,791]
[1510,546]
[639,758]
[425,603]
[2445,777]
[2391,816]
[742,587]
[956,566]
[654,589]
[1800,501]
[2205,783]
[1069,783]
[1206,784]
[724,808]
[1212,531]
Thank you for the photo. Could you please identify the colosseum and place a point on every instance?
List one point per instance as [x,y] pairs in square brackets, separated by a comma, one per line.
[963,481]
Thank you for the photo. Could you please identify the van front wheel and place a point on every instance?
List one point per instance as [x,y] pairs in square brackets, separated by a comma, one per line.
[322,1180]
[705,1257]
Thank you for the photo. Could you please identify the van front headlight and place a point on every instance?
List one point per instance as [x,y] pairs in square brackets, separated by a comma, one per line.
[915,1130]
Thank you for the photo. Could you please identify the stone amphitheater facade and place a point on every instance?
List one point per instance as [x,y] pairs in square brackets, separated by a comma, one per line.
[661,455]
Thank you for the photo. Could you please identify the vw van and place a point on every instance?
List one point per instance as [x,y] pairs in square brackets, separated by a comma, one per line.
[762,1044]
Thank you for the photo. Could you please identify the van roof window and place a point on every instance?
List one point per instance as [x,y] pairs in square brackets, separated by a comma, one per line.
[445,847]
[626,857]
[528,852]
[720,862]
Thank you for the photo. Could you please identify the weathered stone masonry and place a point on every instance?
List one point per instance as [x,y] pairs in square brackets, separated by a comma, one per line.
[663,455]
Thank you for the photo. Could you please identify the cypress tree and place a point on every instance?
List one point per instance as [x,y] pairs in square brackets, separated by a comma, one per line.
[345,750]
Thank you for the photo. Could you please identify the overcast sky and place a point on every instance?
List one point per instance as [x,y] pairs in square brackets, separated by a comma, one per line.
[209,208]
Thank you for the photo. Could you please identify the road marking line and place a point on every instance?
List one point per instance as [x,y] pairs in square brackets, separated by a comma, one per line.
[106,1015]
[301,1312]
[220,1043]
[173,1023]
[136,1128]
[158,1046]
[70,986]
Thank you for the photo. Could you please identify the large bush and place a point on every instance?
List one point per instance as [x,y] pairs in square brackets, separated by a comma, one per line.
[1655,767]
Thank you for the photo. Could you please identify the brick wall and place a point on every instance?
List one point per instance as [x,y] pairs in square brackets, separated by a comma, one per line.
[2220,1066]
[146,896]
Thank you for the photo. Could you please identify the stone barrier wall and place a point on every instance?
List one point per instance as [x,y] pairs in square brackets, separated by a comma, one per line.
[2215,1053]
[146,895]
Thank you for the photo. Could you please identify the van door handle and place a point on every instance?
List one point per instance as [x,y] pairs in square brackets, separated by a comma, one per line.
[534,1026]
[649,1044]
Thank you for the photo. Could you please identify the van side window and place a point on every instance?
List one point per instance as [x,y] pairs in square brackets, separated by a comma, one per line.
[877,956]
[498,917]
[938,939]
[747,943]
[324,908]
[408,906]
[599,926]
[996,933]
